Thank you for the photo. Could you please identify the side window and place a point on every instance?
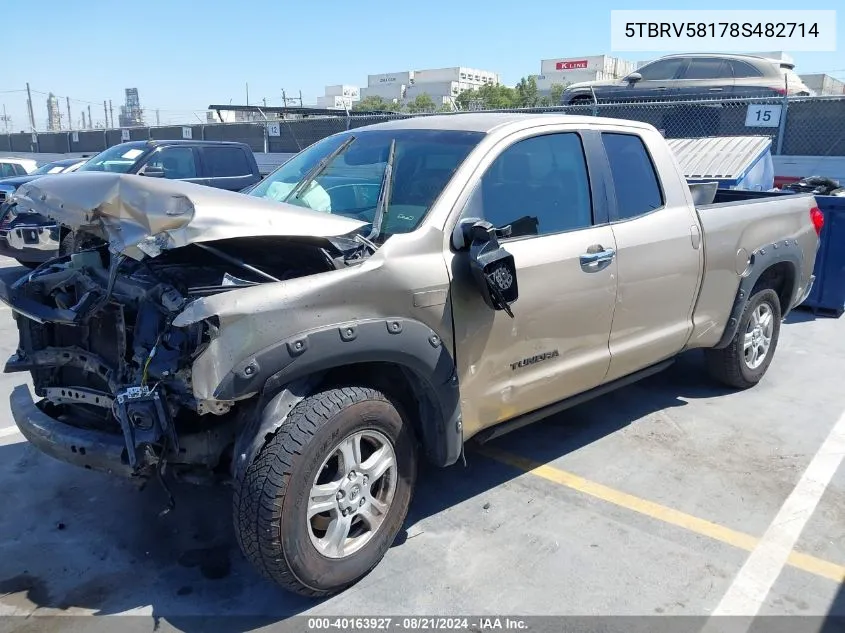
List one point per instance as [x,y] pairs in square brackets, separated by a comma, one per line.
[537,186]
[20,170]
[177,162]
[634,177]
[221,162]
[6,170]
[742,69]
[662,70]
[708,68]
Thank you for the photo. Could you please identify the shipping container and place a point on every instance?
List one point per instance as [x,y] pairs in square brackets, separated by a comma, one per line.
[406,78]
[564,78]
[435,90]
[386,91]
[824,85]
[343,90]
[603,63]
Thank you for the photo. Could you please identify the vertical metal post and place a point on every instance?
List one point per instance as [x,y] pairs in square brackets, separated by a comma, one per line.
[266,138]
[69,117]
[90,120]
[29,105]
[105,115]
[782,124]
[111,114]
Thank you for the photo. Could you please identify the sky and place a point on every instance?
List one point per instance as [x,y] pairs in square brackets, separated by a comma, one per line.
[183,55]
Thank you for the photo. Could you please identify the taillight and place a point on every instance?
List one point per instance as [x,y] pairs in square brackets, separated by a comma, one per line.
[817,218]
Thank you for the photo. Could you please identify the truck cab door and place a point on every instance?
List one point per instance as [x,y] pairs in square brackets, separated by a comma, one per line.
[659,253]
[174,162]
[555,344]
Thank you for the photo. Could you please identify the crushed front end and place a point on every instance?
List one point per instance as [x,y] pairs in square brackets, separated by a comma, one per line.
[113,376]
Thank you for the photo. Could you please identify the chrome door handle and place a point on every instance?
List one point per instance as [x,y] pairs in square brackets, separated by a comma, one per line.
[598,257]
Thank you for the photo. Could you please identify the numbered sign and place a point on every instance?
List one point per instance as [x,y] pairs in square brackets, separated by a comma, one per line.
[124,135]
[187,133]
[762,115]
[75,137]
[273,129]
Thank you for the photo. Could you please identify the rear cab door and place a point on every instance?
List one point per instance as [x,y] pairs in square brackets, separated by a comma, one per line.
[179,162]
[556,344]
[659,250]
[705,77]
[227,166]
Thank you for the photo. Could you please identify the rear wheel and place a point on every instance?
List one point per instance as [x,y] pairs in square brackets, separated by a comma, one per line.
[745,360]
[326,496]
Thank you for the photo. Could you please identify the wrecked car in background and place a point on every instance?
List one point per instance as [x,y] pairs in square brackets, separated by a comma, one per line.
[411,284]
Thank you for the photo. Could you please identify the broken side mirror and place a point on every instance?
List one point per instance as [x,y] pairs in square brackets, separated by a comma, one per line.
[493,268]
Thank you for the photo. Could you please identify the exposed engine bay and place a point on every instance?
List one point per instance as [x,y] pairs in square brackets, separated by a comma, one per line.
[96,333]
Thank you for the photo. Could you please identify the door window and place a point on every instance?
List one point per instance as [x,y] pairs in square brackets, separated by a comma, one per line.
[177,162]
[537,186]
[222,162]
[634,177]
[708,68]
[742,69]
[661,70]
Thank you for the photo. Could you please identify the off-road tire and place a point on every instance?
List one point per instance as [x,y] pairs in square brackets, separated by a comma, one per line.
[270,501]
[728,365]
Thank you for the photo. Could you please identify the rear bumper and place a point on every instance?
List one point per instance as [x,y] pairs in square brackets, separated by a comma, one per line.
[93,450]
[806,292]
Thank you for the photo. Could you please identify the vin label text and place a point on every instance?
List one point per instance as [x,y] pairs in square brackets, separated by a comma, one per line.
[723,31]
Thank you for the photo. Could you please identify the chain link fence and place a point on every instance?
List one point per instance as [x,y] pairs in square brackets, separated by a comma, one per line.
[798,126]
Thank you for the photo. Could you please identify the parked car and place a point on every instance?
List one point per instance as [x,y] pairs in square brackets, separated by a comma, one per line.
[463,276]
[694,76]
[32,239]
[17,167]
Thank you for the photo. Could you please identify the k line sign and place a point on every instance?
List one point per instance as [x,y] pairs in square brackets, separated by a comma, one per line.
[582,63]
[571,65]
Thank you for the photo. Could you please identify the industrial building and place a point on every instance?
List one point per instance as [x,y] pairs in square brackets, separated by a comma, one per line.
[131,114]
[441,84]
[54,114]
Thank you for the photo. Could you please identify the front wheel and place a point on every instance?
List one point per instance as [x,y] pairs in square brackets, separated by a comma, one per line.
[745,360]
[327,495]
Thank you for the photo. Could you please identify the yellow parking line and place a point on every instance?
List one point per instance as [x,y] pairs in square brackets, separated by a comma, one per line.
[717,532]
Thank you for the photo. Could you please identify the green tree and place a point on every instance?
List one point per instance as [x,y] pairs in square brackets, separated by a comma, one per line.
[556,93]
[488,97]
[373,102]
[526,92]
[422,103]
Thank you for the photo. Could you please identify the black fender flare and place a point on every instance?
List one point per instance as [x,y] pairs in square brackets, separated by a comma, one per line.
[760,261]
[287,372]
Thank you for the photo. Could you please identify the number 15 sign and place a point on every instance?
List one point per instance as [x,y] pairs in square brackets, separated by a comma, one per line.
[762,115]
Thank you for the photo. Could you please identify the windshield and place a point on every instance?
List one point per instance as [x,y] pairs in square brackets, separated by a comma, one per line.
[119,158]
[50,168]
[350,184]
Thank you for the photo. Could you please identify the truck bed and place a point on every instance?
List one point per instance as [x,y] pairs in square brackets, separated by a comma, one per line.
[738,227]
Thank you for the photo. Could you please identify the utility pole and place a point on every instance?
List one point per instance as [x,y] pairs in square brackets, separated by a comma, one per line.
[5,119]
[158,118]
[300,98]
[83,120]
[90,120]
[105,114]
[265,102]
[29,106]
[111,112]
[247,93]
[69,118]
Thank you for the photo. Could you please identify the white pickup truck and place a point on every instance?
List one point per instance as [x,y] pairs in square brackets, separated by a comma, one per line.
[463,276]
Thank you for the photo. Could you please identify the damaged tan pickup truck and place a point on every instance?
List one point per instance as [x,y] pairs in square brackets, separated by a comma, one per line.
[391,290]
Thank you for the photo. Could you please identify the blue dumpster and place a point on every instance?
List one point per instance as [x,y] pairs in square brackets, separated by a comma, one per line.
[828,292]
